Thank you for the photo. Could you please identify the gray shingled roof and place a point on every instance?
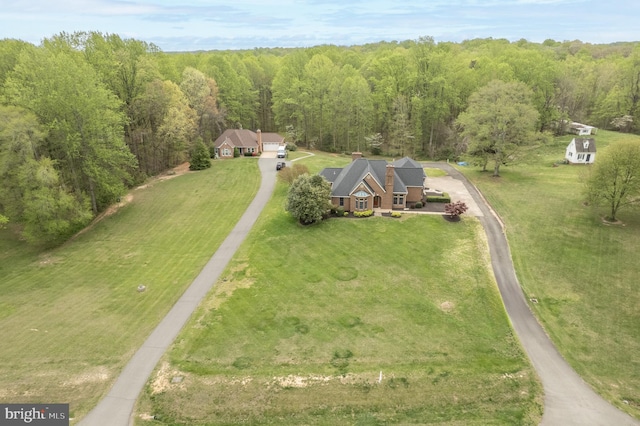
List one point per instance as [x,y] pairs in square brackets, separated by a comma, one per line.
[407,173]
[330,173]
[580,145]
[412,176]
[352,175]
[407,162]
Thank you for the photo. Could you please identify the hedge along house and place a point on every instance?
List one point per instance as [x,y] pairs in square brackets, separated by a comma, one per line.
[246,142]
[581,151]
[376,184]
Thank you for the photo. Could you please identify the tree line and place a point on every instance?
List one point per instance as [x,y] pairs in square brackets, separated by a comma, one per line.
[83,116]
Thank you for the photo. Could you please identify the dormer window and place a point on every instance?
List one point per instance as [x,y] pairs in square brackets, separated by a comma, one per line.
[585,144]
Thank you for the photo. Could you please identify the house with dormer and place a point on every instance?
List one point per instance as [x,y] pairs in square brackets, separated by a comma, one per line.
[376,184]
[581,151]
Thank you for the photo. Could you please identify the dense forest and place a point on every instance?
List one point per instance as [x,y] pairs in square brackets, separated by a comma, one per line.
[83,116]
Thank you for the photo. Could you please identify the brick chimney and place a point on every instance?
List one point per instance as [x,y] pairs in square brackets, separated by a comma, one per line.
[355,156]
[387,198]
[259,137]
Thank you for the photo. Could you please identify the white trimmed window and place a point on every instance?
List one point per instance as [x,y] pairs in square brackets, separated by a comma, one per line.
[362,200]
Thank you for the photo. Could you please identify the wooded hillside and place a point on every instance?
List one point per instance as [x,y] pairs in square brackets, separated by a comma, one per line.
[84,115]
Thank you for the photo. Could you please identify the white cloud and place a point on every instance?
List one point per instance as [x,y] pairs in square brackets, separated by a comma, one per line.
[206,24]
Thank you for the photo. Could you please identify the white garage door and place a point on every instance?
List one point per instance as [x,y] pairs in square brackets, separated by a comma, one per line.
[270,146]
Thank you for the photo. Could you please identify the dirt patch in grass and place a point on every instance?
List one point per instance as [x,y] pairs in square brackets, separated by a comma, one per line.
[164,379]
[292,381]
[95,375]
[447,306]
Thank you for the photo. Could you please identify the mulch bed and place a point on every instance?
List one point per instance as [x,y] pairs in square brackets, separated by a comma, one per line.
[432,207]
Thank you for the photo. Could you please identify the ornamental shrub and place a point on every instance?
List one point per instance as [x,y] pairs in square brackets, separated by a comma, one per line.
[444,198]
[308,198]
[418,205]
[365,213]
[455,209]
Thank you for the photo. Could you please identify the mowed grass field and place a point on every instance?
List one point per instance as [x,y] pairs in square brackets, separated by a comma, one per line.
[353,321]
[583,273]
[72,317]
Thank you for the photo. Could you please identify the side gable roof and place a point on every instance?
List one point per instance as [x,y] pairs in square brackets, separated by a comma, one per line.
[580,144]
[272,137]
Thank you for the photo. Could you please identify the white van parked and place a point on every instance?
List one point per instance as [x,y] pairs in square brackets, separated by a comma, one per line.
[282,152]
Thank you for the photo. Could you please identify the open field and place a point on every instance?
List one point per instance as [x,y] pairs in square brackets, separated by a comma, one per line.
[71,317]
[306,319]
[583,273]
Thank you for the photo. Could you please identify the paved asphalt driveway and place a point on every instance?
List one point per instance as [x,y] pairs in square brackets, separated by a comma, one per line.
[568,400]
[116,408]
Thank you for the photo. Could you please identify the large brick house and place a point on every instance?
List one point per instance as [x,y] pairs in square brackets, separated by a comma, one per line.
[370,184]
[247,142]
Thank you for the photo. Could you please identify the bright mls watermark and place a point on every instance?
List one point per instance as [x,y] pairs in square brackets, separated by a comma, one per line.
[34,414]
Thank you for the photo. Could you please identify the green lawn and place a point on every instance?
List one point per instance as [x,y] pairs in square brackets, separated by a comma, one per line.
[583,273]
[72,317]
[305,319]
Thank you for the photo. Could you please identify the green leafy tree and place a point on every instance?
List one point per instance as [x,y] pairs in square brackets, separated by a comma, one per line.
[351,107]
[200,159]
[319,73]
[390,73]
[401,135]
[308,198]
[614,180]
[237,97]
[500,120]
[84,120]
[3,221]
[21,138]
[202,95]
[178,126]
[290,107]
[290,174]
[261,70]
[51,213]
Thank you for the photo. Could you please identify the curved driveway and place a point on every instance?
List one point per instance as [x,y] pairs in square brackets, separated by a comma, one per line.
[568,400]
[116,408]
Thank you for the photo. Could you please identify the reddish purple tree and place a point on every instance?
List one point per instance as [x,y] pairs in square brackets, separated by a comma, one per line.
[454,210]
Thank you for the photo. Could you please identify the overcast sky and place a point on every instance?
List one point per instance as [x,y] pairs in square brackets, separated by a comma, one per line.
[244,24]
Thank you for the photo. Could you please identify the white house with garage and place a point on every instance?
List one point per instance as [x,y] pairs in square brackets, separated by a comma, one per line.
[581,151]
